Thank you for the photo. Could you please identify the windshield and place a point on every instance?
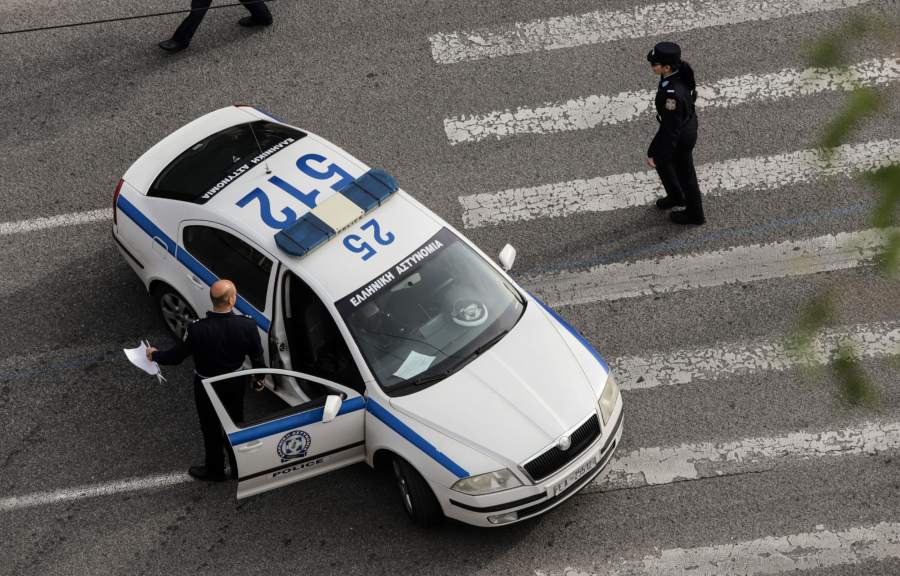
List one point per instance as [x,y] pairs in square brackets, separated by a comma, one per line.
[431,313]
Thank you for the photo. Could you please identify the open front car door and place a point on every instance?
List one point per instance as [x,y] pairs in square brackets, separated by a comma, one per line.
[277,440]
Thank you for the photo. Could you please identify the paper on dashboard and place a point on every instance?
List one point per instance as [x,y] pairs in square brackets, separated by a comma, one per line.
[414,364]
[138,357]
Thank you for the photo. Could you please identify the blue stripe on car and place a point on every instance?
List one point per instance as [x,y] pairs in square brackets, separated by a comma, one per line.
[578,336]
[187,260]
[422,444]
[292,422]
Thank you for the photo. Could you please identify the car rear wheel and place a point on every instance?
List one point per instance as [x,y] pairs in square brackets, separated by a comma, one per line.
[175,310]
[418,500]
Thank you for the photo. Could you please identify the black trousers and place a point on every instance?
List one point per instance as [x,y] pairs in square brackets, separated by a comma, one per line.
[231,393]
[679,177]
[186,30]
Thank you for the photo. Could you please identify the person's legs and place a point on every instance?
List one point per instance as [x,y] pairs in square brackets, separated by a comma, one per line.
[186,30]
[211,429]
[674,195]
[259,13]
[683,164]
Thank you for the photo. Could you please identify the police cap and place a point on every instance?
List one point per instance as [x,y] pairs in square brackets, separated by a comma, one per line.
[665,53]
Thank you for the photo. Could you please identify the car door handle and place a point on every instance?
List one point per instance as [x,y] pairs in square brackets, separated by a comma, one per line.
[195,281]
[250,447]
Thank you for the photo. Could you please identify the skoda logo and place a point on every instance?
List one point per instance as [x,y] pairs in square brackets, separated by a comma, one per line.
[564,443]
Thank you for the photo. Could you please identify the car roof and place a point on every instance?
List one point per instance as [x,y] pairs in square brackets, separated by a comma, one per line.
[286,186]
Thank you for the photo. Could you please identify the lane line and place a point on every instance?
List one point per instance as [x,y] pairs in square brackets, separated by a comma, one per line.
[600,110]
[770,555]
[600,27]
[683,272]
[92,491]
[619,191]
[683,367]
[73,219]
[655,466]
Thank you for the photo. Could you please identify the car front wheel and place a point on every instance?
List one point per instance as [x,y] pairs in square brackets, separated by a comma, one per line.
[419,501]
[175,310]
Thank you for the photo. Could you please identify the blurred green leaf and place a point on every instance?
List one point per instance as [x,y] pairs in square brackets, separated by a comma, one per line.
[812,318]
[861,102]
[857,387]
[887,181]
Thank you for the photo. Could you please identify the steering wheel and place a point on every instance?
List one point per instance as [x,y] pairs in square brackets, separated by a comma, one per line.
[437,290]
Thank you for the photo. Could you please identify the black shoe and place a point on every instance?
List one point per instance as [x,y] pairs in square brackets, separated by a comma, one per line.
[682,217]
[172,46]
[203,474]
[251,21]
[668,202]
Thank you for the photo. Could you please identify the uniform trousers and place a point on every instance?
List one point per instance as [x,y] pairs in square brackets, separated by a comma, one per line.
[186,30]
[679,177]
[231,394]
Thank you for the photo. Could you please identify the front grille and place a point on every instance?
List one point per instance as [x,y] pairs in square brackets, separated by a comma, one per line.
[555,459]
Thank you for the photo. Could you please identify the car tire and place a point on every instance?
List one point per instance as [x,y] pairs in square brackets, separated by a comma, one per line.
[418,500]
[174,309]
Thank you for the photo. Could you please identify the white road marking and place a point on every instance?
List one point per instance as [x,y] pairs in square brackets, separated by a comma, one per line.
[683,367]
[642,188]
[598,110]
[105,489]
[770,555]
[654,466]
[599,27]
[689,271]
[54,222]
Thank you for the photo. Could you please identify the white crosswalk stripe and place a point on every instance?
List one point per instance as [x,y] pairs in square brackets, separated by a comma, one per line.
[690,271]
[92,491]
[770,555]
[654,466]
[598,27]
[686,366]
[599,110]
[641,188]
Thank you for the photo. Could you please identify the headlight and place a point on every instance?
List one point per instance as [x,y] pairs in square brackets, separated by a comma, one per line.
[608,398]
[487,483]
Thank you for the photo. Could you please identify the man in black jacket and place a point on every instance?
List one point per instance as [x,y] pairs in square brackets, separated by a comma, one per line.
[218,344]
[671,151]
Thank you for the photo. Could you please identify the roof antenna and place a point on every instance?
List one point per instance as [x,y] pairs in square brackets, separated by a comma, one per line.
[258,146]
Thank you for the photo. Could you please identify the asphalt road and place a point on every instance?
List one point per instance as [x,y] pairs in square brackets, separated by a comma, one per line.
[81,104]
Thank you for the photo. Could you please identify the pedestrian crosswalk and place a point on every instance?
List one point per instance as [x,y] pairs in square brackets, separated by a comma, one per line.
[634,273]
[607,26]
[597,110]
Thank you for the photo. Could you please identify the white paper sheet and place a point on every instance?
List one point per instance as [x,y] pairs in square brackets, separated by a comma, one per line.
[138,357]
[415,364]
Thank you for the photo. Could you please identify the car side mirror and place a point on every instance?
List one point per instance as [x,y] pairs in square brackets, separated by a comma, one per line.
[332,407]
[507,257]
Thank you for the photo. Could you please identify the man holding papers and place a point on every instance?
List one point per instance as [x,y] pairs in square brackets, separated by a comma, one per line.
[218,344]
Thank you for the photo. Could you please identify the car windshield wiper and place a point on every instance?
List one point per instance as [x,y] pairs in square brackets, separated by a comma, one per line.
[429,378]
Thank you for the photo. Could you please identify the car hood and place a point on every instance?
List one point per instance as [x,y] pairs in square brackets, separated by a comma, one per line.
[513,400]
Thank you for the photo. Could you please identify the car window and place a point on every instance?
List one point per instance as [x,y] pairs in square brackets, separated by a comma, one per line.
[207,167]
[229,257]
[430,312]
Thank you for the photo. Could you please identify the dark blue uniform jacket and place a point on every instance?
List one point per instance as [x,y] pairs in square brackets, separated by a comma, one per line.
[218,343]
[675,114]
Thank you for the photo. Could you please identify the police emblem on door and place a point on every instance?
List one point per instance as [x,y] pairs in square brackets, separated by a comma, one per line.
[670,104]
[294,445]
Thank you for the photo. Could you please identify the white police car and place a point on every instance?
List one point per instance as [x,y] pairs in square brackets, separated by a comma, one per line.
[392,339]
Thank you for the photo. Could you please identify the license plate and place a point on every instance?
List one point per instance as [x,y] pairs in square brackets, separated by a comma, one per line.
[575,476]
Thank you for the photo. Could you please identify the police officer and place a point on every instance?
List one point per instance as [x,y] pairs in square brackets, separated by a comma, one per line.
[671,150]
[218,344]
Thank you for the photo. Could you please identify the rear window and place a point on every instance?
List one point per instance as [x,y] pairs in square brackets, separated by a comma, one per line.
[209,166]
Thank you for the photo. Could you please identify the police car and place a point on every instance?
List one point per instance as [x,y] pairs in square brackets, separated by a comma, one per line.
[392,339]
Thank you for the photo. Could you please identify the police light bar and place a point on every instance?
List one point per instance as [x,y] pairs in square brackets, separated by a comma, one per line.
[336,214]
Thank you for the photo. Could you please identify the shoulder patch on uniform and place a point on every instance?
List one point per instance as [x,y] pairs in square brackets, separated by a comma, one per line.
[665,83]
[670,103]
